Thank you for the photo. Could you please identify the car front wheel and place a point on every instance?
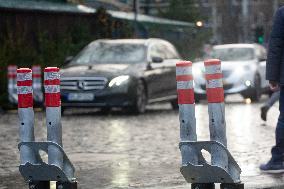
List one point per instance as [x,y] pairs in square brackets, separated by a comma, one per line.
[256,93]
[140,99]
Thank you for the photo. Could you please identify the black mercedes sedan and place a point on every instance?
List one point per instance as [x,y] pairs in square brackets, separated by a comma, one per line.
[126,73]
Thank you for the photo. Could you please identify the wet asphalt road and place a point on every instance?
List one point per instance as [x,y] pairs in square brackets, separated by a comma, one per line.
[127,151]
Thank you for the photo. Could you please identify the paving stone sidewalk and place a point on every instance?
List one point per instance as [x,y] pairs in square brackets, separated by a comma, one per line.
[122,151]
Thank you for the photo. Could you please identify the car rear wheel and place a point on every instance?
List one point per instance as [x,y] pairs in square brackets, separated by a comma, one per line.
[174,104]
[140,99]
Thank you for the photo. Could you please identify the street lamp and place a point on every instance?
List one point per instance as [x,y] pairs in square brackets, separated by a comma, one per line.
[199,23]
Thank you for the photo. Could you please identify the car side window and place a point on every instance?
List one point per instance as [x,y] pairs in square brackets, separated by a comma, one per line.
[157,51]
[171,52]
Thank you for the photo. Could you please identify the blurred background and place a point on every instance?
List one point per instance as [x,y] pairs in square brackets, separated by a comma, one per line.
[45,32]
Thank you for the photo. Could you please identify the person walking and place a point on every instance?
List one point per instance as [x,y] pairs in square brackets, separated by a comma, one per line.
[275,75]
[268,104]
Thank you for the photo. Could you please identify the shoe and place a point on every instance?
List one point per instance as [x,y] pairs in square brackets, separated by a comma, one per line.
[264,111]
[272,167]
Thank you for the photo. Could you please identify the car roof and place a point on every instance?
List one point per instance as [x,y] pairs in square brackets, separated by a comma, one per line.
[145,42]
[236,45]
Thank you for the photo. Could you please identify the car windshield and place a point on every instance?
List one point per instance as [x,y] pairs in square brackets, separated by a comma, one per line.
[232,54]
[106,52]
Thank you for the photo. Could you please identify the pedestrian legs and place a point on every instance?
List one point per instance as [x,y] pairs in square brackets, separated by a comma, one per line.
[278,150]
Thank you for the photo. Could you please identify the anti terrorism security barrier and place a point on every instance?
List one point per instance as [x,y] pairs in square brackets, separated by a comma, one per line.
[26,114]
[195,169]
[37,85]
[12,84]
[34,170]
[186,110]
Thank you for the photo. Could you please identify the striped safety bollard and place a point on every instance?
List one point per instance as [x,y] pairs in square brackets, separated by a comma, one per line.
[26,113]
[37,84]
[12,83]
[53,114]
[186,110]
[216,111]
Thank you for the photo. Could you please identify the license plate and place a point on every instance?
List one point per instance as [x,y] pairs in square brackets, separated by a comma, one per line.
[81,96]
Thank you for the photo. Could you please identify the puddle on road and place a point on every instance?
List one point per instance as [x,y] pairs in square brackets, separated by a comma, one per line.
[121,173]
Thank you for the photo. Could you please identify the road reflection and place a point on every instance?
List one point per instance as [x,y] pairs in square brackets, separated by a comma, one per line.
[120,172]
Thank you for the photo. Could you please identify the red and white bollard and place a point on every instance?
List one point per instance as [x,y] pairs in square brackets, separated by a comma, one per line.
[26,113]
[216,110]
[186,110]
[12,84]
[53,114]
[37,84]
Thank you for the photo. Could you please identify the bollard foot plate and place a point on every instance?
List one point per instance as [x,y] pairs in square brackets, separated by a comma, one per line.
[42,171]
[206,173]
[203,186]
[232,186]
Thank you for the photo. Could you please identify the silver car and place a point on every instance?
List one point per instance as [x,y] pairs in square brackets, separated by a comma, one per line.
[243,67]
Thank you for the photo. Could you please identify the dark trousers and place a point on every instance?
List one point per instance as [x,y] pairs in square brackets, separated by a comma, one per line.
[278,150]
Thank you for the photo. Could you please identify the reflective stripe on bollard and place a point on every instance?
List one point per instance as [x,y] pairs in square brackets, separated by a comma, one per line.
[186,110]
[53,114]
[216,111]
[26,113]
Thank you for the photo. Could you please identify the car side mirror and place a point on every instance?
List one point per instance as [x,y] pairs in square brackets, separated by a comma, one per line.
[68,59]
[157,59]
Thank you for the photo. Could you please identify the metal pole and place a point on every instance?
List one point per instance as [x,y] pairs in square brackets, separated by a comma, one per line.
[215,22]
[186,110]
[245,27]
[136,12]
[53,114]
[26,114]
[216,110]
[275,5]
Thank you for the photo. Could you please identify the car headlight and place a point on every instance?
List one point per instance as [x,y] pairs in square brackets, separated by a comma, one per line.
[240,70]
[243,69]
[117,81]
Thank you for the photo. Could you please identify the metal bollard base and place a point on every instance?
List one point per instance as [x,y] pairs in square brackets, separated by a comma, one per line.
[39,185]
[202,186]
[232,186]
[66,185]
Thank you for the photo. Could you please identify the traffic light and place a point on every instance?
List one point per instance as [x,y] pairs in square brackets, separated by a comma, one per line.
[259,35]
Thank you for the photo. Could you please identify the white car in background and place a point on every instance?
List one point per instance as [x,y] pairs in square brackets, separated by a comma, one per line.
[243,67]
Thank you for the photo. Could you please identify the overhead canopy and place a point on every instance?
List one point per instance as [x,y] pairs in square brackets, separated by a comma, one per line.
[62,6]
